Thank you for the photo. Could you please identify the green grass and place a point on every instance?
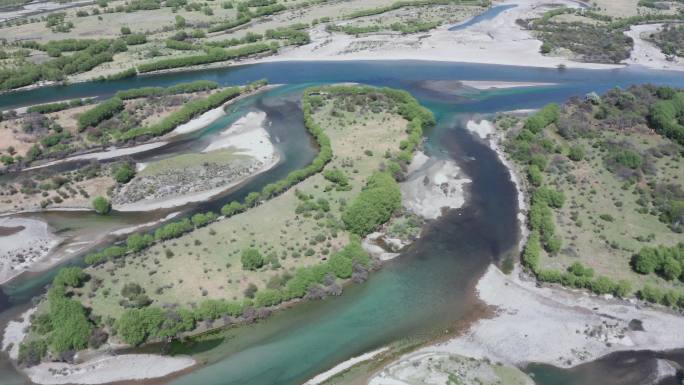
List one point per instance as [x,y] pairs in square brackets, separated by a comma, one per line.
[221,157]
[206,263]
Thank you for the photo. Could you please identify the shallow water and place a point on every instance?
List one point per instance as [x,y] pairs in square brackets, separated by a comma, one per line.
[423,292]
[487,15]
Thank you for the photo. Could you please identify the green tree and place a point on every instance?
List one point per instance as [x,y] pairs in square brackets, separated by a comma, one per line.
[124,173]
[101,205]
[251,259]
[70,276]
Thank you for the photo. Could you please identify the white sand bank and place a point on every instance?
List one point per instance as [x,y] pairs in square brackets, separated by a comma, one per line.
[438,185]
[647,54]
[200,122]
[248,136]
[132,229]
[344,366]
[25,248]
[104,155]
[108,369]
[496,41]
[15,333]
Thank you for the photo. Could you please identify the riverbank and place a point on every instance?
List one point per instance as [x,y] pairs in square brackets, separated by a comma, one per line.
[582,327]
[102,370]
[499,40]
[24,248]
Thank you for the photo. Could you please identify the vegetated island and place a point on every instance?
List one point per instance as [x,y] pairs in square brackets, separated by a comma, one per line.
[131,121]
[145,290]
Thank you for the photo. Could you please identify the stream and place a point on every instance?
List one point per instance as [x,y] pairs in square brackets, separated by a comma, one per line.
[419,295]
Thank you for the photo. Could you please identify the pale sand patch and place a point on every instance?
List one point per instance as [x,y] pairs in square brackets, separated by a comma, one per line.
[103,155]
[370,245]
[647,54]
[494,84]
[248,136]
[200,122]
[108,369]
[15,333]
[32,244]
[339,368]
[439,185]
[483,128]
[496,41]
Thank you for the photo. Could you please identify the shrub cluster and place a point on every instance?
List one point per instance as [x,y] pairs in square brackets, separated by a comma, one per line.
[212,55]
[667,262]
[182,88]
[55,107]
[374,205]
[99,113]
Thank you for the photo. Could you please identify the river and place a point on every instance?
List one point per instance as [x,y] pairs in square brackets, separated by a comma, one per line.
[429,288]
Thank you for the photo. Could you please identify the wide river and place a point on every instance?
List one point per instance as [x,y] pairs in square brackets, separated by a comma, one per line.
[429,288]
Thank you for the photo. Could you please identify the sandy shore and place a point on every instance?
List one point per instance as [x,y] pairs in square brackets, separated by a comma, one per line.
[647,54]
[496,41]
[247,136]
[199,122]
[344,366]
[108,369]
[582,327]
[21,250]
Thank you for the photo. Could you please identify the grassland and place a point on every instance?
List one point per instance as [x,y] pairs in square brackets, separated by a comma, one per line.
[206,264]
[609,208]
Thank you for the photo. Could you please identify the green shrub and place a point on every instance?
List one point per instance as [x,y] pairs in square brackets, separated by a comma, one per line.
[100,112]
[101,205]
[124,173]
[251,259]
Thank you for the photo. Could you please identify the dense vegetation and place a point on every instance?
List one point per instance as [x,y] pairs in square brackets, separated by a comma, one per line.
[212,55]
[600,38]
[555,141]
[90,54]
